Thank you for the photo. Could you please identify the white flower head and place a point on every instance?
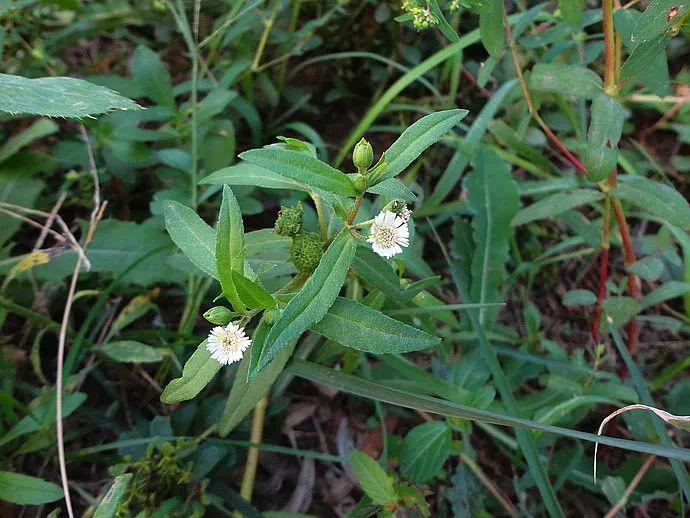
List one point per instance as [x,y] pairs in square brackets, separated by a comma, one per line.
[388,234]
[227,344]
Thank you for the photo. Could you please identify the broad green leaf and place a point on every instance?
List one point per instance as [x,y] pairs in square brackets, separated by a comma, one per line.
[25,490]
[574,80]
[605,129]
[196,374]
[301,167]
[39,129]
[655,198]
[230,247]
[655,21]
[393,188]
[250,293]
[621,309]
[108,504]
[571,11]
[246,393]
[213,104]
[192,235]
[130,351]
[493,198]
[43,414]
[649,268]
[378,391]
[358,326]
[491,26]
[414,140]
[646,57]
[151,75]
[372,478]
[59,97]
[667,291]
[313,300]
[425,450]
[579,298]
[116,246]
[245,173]
[377,273]
[556,204]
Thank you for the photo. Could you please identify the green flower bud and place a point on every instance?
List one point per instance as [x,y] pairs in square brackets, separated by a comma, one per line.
[218,315]
[306,252]
[289,222]
[363,155]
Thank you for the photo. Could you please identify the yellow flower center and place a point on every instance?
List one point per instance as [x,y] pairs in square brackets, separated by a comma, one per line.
[384,236]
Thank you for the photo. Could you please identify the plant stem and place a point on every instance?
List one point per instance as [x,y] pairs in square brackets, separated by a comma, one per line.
[530,104]
[609,46]
[631,487]
[247,487]
[603,275]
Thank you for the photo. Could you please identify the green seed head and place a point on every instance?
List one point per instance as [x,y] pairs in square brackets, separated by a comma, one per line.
[289,222]
[306,252]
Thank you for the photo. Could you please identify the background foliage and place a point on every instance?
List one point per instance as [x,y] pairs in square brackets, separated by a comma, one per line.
[543,148]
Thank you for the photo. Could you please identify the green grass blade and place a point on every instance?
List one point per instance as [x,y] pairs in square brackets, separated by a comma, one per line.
[646,398]
[372,390]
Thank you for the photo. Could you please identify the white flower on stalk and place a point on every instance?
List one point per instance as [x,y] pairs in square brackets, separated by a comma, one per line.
[227,344]
[388,234]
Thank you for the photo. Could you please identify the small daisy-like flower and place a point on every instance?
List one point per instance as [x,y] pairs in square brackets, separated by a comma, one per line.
[227,344]
[388,234]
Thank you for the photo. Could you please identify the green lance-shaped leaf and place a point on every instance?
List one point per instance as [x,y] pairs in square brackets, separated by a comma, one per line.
[59,97]
[108,505]
[425,450]
[246,393]
[250,293]
[605,129]
[358,326]
[491,27]
[196,374]
[556,204]
[130,351]
[230,247]
[25,490]
[377,273]
[372,477]
[313,300]
[493,198]
[150,74]
[648,64]
[192,235]
[655,20]
[301,167]
[655,198]
[572,80]
[414,140]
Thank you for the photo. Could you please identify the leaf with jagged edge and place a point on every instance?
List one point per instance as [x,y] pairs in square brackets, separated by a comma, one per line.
[59,97]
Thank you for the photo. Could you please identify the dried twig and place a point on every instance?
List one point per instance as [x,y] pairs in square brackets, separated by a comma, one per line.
[96,216]
[629,490]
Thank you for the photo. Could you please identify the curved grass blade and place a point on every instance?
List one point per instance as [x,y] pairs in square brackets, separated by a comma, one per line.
[372,390]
